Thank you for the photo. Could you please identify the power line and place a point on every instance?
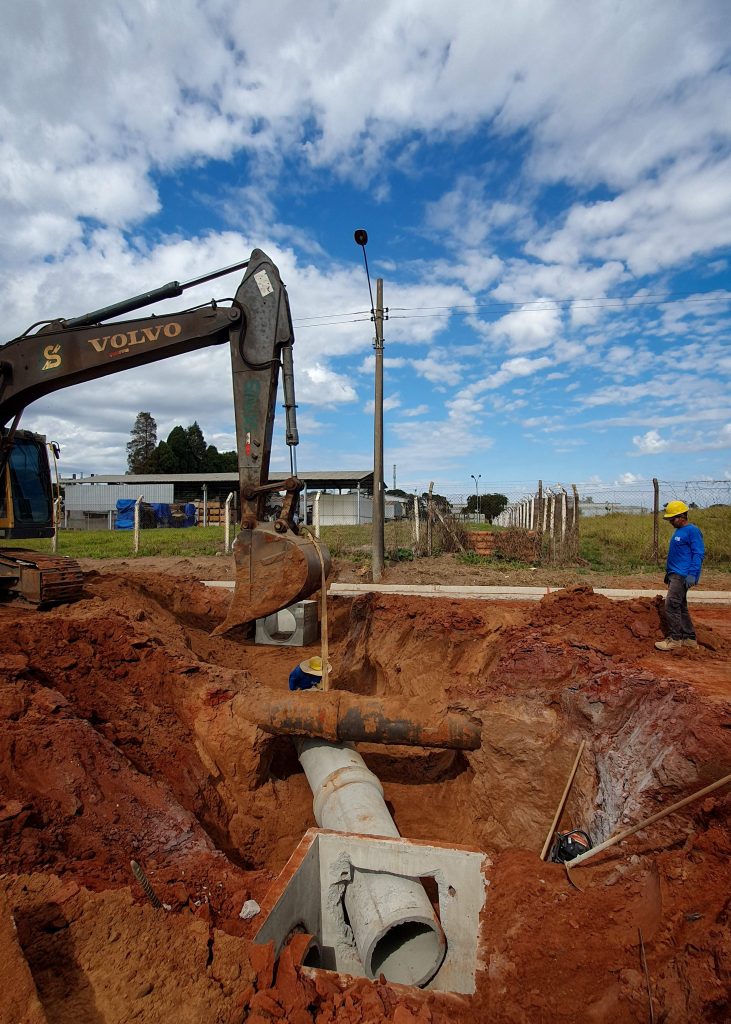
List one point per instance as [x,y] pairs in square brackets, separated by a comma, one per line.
[525,306]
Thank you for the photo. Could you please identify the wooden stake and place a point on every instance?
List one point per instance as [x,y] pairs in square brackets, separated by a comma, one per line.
[323,616]
[562,803]
[649,821]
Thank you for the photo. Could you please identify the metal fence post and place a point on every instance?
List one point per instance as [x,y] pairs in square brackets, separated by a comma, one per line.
[416,519]
[316,514]
[137,524]
[56,517]
[227,523]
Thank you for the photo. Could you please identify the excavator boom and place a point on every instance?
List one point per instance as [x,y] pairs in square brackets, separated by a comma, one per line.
[275,566]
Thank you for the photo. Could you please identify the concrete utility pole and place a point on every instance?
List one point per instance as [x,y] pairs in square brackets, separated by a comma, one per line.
[378,502]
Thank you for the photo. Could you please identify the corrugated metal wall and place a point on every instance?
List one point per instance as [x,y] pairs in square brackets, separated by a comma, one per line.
[83,497]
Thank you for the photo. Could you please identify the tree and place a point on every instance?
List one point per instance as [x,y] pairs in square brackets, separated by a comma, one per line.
[177,442]
[162,459]
[220,462]
[142,444]
[442,503]
[491,505]
[196,447]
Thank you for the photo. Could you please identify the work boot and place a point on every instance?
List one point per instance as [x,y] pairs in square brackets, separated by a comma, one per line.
[668,644]
[690,642]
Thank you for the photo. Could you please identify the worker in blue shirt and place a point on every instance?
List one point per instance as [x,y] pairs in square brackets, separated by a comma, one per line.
[682,571]
[308,674]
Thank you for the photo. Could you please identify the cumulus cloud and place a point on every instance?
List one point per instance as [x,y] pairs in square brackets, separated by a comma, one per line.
[146,142]
[389,402]
[518,367]
[528,329]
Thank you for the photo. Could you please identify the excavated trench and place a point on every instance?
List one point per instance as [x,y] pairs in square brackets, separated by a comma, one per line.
[129,733]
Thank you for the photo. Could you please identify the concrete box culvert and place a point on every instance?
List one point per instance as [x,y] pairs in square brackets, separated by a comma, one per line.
[308,896]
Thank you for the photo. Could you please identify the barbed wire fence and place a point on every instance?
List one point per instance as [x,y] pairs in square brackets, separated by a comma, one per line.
[542,522]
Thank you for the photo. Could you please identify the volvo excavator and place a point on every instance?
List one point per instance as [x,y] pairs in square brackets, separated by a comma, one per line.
[275,565]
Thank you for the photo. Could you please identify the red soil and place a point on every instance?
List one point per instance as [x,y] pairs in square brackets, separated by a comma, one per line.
[129,733]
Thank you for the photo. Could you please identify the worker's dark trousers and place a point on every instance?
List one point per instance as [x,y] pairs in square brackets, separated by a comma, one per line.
[680,624]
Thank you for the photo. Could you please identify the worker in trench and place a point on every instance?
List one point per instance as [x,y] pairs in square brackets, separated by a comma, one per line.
[682,571]
[308,674]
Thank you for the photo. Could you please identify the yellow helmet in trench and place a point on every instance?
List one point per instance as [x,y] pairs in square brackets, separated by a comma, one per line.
[674,508]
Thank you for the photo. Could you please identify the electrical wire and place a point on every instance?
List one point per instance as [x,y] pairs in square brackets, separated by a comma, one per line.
[526,306]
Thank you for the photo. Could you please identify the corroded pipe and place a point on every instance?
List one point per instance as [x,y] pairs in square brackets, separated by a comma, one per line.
[341,717]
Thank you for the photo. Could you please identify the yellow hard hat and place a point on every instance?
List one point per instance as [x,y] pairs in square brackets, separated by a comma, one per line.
[674,508]
[313,666]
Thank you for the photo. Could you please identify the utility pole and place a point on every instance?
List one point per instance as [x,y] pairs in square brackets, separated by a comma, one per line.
[378,502]
[361,239]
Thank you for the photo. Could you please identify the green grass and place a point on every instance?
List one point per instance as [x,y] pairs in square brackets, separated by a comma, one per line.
[619,541]
[611,543]
[201,540]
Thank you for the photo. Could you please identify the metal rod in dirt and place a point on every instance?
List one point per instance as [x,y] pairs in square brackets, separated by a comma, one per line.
[145,883]
[650,821]
[378,497]
[562,802]
[643,960]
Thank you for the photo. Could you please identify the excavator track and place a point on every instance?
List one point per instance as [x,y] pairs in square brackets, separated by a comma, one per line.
[39,578]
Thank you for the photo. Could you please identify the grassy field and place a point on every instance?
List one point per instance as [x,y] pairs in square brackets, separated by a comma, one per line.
[611,543]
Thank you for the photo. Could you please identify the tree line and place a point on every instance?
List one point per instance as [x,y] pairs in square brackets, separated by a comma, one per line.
[490,505]
[184,451]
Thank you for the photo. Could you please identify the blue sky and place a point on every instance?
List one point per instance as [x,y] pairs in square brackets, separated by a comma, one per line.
[547,191]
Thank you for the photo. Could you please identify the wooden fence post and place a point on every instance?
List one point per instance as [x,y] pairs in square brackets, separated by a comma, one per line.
[655,519]
[575,524]
[429,517]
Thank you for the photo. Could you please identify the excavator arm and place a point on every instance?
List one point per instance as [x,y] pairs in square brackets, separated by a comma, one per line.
[275,566]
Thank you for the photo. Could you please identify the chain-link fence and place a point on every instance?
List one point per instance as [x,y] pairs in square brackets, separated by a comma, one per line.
[549,522]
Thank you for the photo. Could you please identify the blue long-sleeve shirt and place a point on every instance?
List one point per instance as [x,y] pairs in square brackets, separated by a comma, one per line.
[300,680]
[686,551]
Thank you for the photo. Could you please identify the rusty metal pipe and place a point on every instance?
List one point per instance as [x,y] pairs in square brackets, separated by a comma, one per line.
[341,717]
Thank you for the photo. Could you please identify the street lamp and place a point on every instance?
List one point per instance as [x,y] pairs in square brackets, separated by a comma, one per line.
[477,491]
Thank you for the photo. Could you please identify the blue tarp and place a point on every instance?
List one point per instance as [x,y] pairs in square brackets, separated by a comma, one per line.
[154,513]
[162,513]
[125,514]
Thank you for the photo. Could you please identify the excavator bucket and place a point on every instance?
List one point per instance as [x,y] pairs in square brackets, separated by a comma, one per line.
[273,571]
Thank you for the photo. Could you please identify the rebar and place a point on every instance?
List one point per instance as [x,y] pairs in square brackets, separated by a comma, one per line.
[145,883]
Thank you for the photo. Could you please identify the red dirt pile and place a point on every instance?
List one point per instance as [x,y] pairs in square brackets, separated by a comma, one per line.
[129,733]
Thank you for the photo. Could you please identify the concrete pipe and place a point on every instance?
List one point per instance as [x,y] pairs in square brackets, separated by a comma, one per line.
[339,716]
[394,925]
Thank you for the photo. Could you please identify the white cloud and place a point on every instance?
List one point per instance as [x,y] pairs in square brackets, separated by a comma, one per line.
[528,329]
[682,212]
[652,443]
[437,369]
[519,367]
[389,402]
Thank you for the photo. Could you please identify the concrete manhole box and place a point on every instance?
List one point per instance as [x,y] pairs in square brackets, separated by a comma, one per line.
[308,897]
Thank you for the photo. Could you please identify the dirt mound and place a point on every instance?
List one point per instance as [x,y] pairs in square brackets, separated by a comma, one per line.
[127,732]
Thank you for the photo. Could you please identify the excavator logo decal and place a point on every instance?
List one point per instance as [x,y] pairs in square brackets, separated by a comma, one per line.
[119,342]
[52,355]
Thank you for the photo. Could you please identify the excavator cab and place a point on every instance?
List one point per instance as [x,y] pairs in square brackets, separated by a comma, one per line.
[26,502]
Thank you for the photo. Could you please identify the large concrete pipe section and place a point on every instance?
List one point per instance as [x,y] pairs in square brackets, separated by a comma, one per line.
[339,716]
[394,925]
